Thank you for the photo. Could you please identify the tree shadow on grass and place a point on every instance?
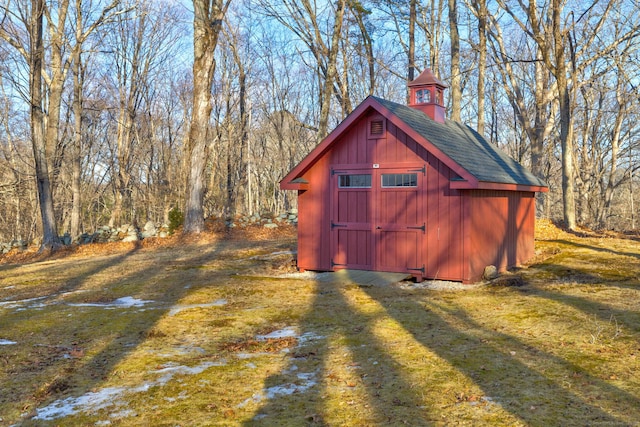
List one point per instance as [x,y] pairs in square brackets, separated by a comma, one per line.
[574,278]
[594,248]
[535,386]
[356,381]
[59,342]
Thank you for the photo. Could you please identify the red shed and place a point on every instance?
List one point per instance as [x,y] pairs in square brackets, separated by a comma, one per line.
[400,188]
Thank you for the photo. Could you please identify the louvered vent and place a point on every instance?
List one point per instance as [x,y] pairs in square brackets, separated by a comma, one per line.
[376,128]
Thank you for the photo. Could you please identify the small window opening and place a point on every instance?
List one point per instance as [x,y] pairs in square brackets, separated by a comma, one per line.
[354,181]
[392,180]
[423,96]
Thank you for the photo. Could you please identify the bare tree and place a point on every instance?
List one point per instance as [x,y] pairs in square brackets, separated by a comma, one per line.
[456,77]
[84,27]
[563,53]
[207,25]
[479,8]
[532,100]
[304,19]
[34,53]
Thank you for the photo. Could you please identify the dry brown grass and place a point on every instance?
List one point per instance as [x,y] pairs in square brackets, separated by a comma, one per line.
[552,344]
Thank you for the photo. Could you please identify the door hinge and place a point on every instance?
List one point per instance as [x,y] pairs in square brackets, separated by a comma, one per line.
[422,227]
[417,269]
[423,170]
[334,225]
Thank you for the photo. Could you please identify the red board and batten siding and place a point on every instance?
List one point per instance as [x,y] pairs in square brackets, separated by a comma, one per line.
[442,208]
[445,219]
[465,229]
[313,227]
[502,228]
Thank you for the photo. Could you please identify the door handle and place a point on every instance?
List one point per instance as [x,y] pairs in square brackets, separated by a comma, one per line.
[378,228]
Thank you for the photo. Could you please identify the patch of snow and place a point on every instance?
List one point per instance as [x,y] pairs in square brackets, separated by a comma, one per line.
[124,302]
[127,302]
[307,275]
[112,396]
[170,371]
[438,285]
[288,332]
[7,342]
[178,308]
[243,356]
[91,401]
[291,332]
[304,383]
[309,337]
[124,414]
[20,303]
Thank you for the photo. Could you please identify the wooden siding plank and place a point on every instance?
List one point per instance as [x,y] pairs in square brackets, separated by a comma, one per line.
[502,229]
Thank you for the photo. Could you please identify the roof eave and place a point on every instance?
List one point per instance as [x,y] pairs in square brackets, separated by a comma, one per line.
[466,182]
[483,185]
[296,184]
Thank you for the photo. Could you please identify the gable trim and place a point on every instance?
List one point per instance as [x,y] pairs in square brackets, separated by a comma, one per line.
[466,179]
[427,145]
[287,182]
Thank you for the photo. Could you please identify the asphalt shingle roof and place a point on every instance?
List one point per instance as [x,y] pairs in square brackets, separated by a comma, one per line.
[466,147]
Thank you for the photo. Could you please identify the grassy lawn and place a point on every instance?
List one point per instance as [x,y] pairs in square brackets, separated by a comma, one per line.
[202,333]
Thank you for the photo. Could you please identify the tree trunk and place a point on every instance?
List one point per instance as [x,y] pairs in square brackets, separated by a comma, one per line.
[207,24]
[236,189]
[76,164]
[59,68]
[540,131]
[566,128]
[123,176]
[411,60]
[603,220]
[368,47]
[330,78]
[456,92]
[481,6]
[50,239]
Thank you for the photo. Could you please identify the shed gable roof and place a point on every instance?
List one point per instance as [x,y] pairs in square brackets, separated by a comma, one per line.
[457,145]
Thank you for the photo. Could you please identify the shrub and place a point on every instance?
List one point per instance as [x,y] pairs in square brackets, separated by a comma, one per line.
[176,218]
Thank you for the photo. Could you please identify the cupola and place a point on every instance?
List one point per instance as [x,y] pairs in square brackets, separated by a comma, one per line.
[427,95]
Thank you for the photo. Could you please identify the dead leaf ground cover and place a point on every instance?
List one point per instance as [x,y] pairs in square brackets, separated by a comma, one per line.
[202,333]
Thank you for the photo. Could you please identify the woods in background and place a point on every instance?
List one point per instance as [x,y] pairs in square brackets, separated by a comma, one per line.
[120,111]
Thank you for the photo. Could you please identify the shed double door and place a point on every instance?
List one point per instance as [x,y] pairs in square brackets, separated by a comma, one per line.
[377,222]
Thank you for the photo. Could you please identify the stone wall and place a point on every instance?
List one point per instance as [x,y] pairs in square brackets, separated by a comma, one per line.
[131,233]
